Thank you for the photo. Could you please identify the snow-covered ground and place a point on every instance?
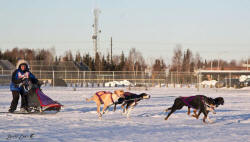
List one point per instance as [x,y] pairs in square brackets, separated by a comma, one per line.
[78,120]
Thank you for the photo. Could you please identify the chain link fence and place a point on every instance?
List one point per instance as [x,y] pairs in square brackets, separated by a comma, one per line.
[84,78]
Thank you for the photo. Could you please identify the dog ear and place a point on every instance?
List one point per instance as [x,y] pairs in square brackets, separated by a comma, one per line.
[120,92]
[222,102]
[116,91]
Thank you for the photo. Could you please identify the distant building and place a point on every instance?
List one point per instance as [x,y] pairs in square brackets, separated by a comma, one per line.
[227,68]
[6,65]
[246,65]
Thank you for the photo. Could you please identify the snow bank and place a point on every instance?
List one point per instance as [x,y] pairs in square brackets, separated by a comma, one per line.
[244,77]
[209,83]
[118,83]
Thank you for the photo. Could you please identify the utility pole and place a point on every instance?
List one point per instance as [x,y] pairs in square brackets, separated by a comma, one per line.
[111,49]
[218,64]
[211,65]
[247,62]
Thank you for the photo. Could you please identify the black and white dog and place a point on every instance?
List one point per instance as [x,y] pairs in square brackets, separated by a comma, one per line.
[218,101]
[199,102]
[129,101]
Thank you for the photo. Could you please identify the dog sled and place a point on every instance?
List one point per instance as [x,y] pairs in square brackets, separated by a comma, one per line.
[37,100]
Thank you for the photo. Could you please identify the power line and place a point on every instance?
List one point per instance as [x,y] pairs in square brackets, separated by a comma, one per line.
[125,42]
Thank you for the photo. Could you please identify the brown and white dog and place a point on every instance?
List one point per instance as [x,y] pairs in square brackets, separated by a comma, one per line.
[106,98]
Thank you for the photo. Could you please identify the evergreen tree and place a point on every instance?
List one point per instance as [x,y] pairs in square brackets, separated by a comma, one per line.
[97,62]
[122,62]
[78,57]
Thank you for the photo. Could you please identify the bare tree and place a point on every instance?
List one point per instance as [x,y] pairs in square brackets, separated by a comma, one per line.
[68,56]
[197,61]
[159,65]
[136,61]
[187,61]
[177,59]
[29,54]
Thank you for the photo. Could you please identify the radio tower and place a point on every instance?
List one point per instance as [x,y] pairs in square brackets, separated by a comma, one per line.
[96,31]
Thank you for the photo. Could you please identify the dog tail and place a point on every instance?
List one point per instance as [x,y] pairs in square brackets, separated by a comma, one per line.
[89,99]
[166,110]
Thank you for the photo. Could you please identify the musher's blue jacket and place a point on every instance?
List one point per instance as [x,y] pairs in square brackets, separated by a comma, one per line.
[17,77]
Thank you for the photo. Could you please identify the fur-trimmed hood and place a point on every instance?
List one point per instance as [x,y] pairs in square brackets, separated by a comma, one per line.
[22,61]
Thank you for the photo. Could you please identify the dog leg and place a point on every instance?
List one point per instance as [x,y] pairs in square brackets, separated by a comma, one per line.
[131,106]
[114,108]
[205,116]
[129,111]
[123,108]
[127,108]
[104,108]
[188,113]
[168,109]
[204,119]
[176,106]
[98,110]
[172,111]
[211,109]
[209,120]
[195,114]
[128,105]
[198,115]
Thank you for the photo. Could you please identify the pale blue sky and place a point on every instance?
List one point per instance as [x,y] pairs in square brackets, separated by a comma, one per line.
[214,28]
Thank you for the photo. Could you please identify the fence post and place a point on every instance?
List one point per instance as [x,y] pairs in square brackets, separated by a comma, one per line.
[40,74]
[171,76]
[53,78]
[65,75]
[198,82]
[78,77]
[230,82]
[84,76]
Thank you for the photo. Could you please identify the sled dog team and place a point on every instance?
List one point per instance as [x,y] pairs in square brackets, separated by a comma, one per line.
[129,100]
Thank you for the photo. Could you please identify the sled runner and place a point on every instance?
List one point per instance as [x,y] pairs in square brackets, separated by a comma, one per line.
[33,112]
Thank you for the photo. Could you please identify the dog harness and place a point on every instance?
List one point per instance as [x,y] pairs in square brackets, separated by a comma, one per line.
[131,97]
[187,100]
[100,93]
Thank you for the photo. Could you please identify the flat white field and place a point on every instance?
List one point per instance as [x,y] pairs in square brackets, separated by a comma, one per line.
[78,120]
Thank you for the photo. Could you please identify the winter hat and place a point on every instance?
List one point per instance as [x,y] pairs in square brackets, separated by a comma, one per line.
[21,62]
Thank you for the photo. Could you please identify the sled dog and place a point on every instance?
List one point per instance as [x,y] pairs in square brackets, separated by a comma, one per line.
[129,101]
[106,98]
[198,102]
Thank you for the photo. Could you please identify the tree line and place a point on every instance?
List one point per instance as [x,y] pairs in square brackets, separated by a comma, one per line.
[133,62]
[186,61]
[182,61]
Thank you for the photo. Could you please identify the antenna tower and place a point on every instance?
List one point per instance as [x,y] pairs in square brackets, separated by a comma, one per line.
[96,31]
